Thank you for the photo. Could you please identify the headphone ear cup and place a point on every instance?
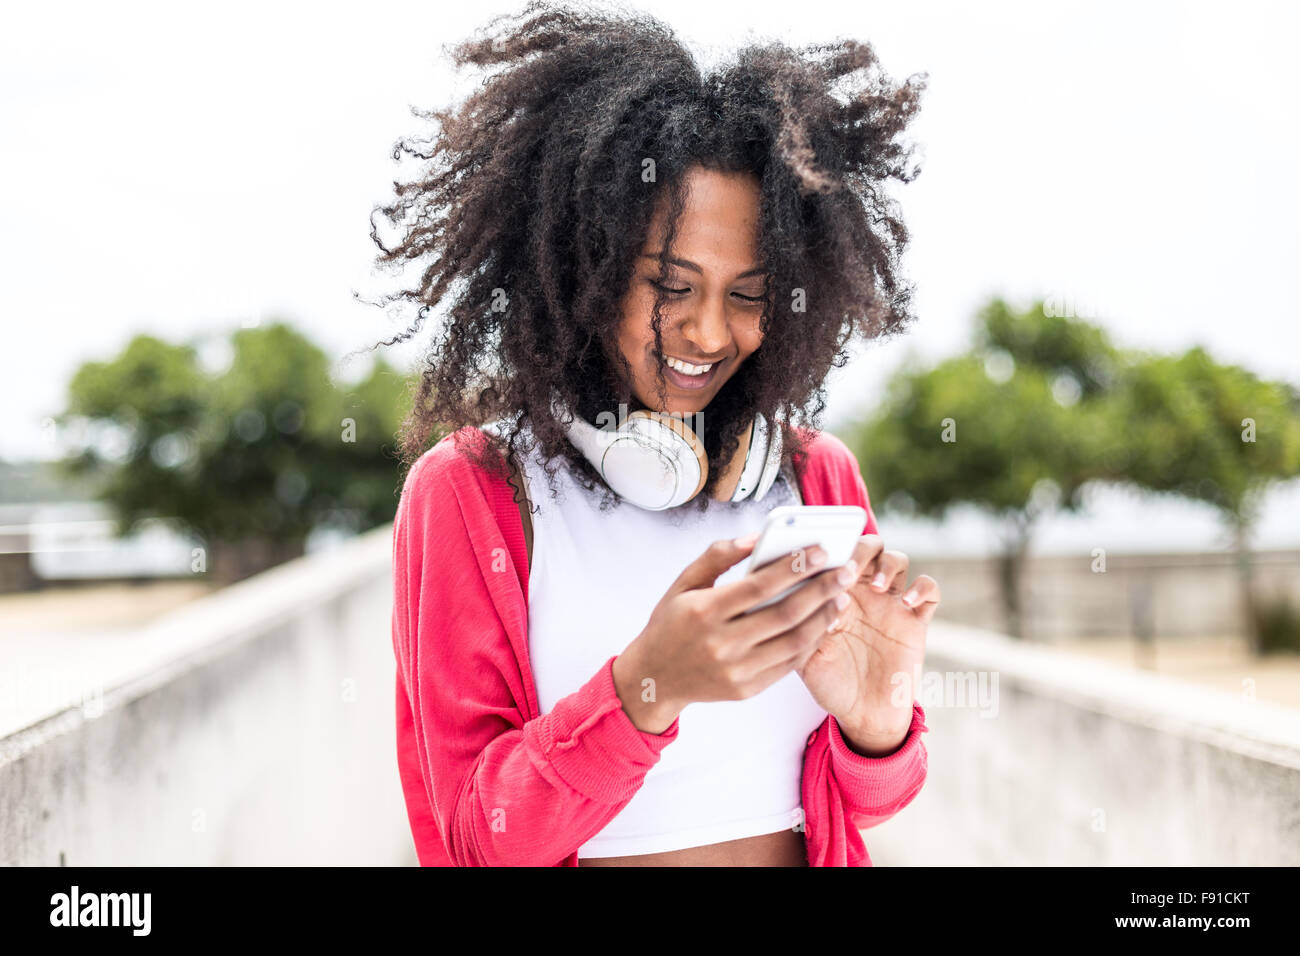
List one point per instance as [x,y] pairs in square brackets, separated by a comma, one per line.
[653,461]
[684,449]
[656,461]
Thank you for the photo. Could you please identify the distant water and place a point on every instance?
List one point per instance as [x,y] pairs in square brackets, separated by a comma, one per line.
[1117,519]
[73,542]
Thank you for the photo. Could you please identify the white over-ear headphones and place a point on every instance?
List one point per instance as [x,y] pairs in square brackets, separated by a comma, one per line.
[656,462]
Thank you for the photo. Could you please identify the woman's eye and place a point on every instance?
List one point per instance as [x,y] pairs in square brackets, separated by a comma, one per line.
[672,291]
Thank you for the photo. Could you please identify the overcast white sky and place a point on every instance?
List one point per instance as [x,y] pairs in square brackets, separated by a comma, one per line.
[179,168]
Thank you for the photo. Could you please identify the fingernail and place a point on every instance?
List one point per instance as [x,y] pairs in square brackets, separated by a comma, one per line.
[817,557]
[746,541]
[848,573]
[841,601]
[909,598]
[879,580]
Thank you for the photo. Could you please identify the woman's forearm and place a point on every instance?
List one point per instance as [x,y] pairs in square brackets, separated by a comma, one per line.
[653,716]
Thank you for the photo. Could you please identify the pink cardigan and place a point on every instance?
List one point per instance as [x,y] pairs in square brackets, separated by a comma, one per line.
[489,781]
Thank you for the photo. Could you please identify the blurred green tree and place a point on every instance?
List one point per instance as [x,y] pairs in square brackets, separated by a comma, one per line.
[250,460]
[1016,426]
[1213,433]
[1042,405]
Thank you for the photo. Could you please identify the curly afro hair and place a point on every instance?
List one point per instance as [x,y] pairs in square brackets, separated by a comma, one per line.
[534,206]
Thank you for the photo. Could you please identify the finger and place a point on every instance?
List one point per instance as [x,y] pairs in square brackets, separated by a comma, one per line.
[766,678]
[889,573]
[792,648]
[867,550]
[923,596]
[806,656]
[737,597]
[717,558]
[791,611]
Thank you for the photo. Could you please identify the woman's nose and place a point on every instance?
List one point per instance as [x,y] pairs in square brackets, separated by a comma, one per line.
[706,328]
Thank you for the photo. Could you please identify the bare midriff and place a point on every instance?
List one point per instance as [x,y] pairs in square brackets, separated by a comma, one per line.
[783,848]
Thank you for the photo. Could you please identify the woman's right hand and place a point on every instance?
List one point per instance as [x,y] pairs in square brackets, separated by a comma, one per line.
[699,645]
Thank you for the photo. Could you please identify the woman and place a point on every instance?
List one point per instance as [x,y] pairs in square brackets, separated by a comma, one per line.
[578,682]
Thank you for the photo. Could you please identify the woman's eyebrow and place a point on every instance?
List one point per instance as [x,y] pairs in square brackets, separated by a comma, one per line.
[687,264]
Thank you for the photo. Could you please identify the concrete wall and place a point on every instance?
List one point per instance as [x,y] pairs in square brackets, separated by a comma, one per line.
[1070,761]
[254,726]
[1173,594]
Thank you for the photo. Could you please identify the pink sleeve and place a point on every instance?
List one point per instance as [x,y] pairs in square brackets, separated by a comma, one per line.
[870,527]
[502,790]
[842,786]
[845,792]
[875,788]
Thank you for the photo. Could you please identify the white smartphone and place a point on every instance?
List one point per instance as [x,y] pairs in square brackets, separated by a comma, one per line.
[791,527]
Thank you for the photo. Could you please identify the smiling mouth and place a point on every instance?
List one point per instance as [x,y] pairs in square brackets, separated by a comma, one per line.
[688,376]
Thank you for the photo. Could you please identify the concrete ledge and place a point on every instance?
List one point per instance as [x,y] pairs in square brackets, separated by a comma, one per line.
[1084,762]
[253,726]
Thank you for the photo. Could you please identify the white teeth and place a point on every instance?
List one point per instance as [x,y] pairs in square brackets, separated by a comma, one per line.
[684,368]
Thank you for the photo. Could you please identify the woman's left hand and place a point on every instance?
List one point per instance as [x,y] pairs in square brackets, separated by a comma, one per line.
[851,671]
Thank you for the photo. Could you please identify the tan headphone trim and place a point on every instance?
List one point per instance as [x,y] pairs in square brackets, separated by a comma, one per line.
[730,479]
[735,468]
[679,425]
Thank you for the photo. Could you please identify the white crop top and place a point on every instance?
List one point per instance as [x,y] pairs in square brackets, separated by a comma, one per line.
[736,767]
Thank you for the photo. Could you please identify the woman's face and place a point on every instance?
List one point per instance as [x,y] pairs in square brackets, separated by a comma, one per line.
[711,316]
